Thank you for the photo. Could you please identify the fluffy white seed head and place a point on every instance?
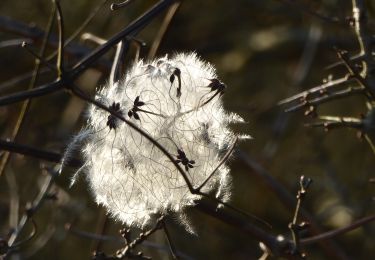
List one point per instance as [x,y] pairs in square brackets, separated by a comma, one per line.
[177,102]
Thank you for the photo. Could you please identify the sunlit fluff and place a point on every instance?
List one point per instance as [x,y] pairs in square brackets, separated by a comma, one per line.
[177,102]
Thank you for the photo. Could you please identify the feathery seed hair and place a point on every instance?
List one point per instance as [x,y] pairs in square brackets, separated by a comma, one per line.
[177,102]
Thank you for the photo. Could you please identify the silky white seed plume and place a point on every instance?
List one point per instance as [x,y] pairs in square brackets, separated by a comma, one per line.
[177,101]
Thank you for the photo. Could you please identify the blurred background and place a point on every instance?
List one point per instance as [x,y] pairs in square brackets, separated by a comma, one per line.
[264,51]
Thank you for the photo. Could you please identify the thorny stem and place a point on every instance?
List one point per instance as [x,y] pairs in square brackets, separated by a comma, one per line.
[295,228]
[326,97]
[142,237]
[343,55]
[316,90]
[364,40]
[331,122]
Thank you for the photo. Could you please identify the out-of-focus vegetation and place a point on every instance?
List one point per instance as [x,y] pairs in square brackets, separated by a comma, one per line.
[265,51]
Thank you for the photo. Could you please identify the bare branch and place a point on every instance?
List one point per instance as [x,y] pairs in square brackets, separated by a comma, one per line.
[326,97]
[37,153]
[316,90]
[337,232]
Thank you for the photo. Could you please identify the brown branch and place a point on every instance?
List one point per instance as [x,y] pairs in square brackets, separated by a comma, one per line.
[163,28]
[360,23]
[331,122]
[294,227]
[33,207]
[37,153]
[337,232]
[365,83]
[316,90]
[60,26]
[326,97]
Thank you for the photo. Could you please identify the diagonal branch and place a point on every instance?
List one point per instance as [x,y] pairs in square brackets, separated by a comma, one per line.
[316,90]
[326,97]
[86,62]
[336,232]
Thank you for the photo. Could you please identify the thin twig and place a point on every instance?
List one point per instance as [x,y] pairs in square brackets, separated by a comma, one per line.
[331,122]
[294,227]
[34,79]
[34,206]
[14,43]
[322,17]
[60,26]
[162,30]
[337,232]
[288,200]
[360,24]
[117,61]
[38,57]
[172,249]
[326,97]
[142,237]
[222,161]
[316,90]
[343,55]
[37,153]
[116,6]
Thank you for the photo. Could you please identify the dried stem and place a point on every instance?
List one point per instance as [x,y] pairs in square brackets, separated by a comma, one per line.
[337,232]
[60,26]
[295,228]
[34,79]
[163,28]
[34,206]
[36,152]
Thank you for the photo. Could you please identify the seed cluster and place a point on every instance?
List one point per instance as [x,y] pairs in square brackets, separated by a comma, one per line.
[176,101]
